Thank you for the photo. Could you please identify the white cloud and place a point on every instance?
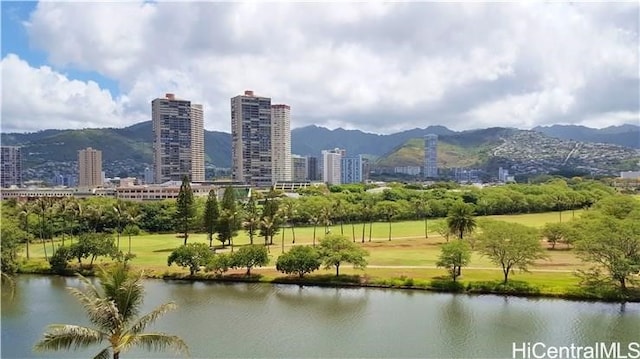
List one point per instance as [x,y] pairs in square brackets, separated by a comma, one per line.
[40,98]
[377,67]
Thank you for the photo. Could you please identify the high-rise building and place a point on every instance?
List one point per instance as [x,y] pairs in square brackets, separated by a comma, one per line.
[90,168]
[281,142]
[331,166]
[312,168]
[351,169]
[11,166]
[299,168]
[251,151]
[178,139]
[431,156]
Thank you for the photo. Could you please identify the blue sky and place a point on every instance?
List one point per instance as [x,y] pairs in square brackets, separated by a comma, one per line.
[376,67]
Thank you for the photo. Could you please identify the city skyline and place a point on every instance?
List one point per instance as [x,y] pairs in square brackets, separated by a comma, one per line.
[379,68]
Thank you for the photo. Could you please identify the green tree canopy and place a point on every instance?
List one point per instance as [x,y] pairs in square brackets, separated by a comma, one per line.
[510,245]
[299,260]
[185,208]
[453,256]
[191,255]
[336,249]
[250,256]
[461,219]
[211,215]
[612,243]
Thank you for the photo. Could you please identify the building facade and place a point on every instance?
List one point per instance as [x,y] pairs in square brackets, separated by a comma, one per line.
[331,166]
[312,168]
[351,169]
[11,166]
[178,139]
[298,168]
[431,156]
[251,151]
[281,143]
[90,168]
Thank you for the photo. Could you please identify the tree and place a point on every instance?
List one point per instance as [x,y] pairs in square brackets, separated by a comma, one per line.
[388,210]
[211,215]
[219,263]
[24,210]
[460,219]
[299,260]
[251,218]
[424,211]
[228,223]
[191,255]
[250,256]
[557,233]
[612,244]
[510,245]
[453,256]
[269,219]
[93,245]
[133,217]
[336,249]
[113,311]
[11,237]
[120,211]
[442,229]
[185,208]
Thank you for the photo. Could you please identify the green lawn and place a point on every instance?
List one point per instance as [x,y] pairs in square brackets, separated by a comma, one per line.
[408,246]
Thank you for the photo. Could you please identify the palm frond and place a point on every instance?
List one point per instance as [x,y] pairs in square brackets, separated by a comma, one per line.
[159,342]
[64,336]
[142,322]
[101,312]
[104,354]
[90,289]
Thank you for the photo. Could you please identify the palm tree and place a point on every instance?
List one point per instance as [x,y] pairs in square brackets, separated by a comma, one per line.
[339,212]
[388,210]
[114,313]
[424,210]
[460,219]
[24,209]
[121,217]
[41,207]
[133,216]
[289,208]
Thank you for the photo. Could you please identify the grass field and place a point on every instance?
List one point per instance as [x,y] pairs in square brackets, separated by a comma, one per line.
[388,259]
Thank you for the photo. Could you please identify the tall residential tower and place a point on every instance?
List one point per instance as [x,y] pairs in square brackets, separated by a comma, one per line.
[281,143]
[89,168]
[251,140]
[178,139]
[431,156]
[11,166]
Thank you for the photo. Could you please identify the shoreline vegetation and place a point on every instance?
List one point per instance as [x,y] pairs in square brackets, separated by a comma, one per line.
[407,262]
[515,288]
[459,239]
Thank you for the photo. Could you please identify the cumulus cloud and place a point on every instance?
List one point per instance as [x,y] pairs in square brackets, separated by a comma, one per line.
[40,98]
[376,67]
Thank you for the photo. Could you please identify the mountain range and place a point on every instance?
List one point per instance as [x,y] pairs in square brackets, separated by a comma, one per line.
[456,149]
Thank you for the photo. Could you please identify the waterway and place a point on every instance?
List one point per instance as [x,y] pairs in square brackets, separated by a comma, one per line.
[253,320]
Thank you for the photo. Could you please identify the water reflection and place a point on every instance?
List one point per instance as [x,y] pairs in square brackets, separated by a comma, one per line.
[273,321]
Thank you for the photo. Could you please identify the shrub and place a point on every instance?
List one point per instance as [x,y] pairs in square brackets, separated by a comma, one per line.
[60,260]
[219,264]
[446,285]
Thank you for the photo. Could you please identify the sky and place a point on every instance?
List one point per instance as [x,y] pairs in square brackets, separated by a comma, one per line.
[373,66]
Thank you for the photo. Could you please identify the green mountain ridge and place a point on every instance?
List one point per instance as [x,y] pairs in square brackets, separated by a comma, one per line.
[525,151]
